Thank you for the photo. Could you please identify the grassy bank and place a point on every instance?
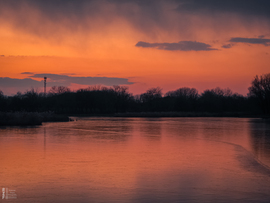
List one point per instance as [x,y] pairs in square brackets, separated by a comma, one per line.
[186,114]
[29,118]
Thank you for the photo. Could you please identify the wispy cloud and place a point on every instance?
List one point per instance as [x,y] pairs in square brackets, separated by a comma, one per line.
[68,80]
[178,46]
[227,46]
[259,40]
[35,81]
[6,82]
[147,16]
[240,7]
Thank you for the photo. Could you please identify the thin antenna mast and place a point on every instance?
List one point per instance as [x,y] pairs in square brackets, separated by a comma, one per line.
[45,78]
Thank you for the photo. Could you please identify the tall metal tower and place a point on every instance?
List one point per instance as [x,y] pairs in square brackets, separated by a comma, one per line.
[45,78]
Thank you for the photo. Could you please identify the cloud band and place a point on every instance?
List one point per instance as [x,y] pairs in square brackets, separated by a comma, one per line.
[179,46]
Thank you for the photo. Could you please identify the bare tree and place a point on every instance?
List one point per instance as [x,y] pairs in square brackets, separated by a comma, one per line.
[151,94]
[260,88]
[183,92]
[59,90]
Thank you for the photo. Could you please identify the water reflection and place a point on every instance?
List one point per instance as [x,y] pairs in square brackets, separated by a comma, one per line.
[182,127]
[44,142]
[88,129]
[260,139]
[151,128]
[138,160]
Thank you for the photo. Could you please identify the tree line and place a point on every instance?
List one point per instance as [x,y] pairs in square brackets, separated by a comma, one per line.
[117,99]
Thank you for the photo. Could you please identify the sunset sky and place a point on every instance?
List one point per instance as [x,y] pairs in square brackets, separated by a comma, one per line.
[136,43]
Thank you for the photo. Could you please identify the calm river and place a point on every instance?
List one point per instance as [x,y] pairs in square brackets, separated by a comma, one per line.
[137,160]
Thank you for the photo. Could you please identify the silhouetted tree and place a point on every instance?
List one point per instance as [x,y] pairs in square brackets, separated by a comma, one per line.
[151,94]
[2,101]
[108,100]
[152,99]
[123,98]
[260,88]
[216,100]
[59,90]
[182,99]
[30,100]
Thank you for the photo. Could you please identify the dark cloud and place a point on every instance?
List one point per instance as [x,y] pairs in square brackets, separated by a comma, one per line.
[84,7]
[179,46]
[241,7]
[61,17]
[2,55]
[22,83]
[27,73]
[265,42]
[7,83]
[67,80]
[78,12]
[227,46]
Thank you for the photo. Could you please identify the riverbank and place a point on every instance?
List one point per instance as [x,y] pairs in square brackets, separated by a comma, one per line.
[175,114]
[35,118]
[188,114]
[29,118]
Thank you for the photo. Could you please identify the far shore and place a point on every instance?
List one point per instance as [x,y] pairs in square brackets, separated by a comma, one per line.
[29,118]
[175,114]
[37,118]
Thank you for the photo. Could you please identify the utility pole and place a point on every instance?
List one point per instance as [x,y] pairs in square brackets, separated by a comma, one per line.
[45,78]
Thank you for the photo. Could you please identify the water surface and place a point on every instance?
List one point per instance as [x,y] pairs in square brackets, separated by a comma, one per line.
[138,160]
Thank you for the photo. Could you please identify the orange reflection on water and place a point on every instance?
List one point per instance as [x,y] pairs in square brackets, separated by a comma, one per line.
[124,160]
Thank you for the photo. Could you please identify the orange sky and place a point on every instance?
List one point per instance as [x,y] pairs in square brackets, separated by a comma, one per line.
[103,45]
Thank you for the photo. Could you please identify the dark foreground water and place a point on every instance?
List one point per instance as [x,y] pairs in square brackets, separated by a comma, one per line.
[137,160]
